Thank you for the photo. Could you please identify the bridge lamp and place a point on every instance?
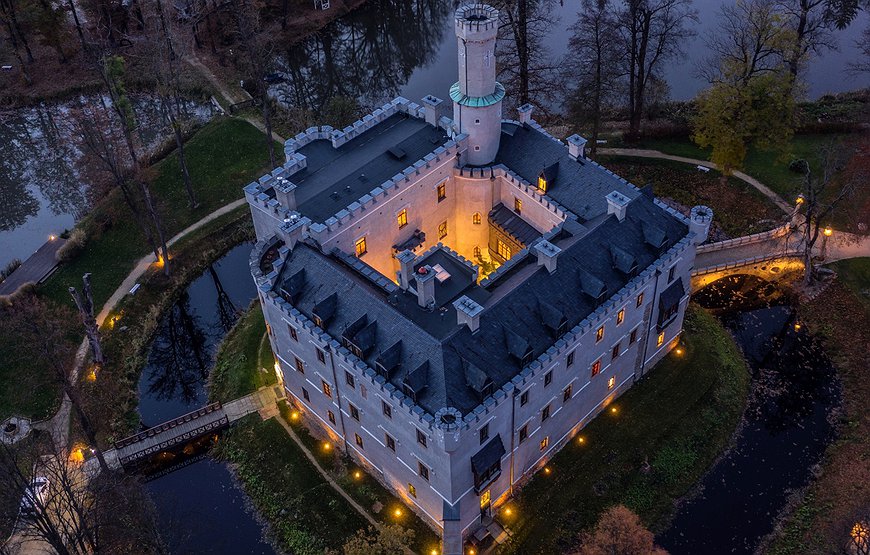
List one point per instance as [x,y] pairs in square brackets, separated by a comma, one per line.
[828,232]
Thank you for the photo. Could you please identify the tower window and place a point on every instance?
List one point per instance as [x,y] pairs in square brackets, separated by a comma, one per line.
[442,230]
[477,252]
[475,218]
[596,368]
[442,191]
[518,205]
[542,184]
[476,147]
[477,122]
[599,334]
[360,246]
[639,300]
[402,218]
[504,250]
[661,339]
[611,382]
[620,316]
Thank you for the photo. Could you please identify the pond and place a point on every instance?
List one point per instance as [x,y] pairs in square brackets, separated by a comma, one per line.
[42,188]
[202,509]
[786,427]
[387,48]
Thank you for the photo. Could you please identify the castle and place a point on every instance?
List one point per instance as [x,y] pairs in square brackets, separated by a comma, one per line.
[450,300]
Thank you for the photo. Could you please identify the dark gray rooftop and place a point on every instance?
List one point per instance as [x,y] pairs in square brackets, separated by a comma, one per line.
[513,224]
[335,177]
[579,186]
[523,315]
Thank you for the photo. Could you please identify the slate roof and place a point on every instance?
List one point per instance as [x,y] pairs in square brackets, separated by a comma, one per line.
[579,186]
[513,224]
[489,455]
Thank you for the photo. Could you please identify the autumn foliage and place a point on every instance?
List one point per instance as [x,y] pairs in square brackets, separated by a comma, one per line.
[619,532]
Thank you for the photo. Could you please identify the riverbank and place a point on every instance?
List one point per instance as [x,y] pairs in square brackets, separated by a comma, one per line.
[638,454]
[822,520]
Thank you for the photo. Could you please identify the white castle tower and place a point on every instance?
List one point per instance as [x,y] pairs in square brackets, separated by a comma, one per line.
[477,96]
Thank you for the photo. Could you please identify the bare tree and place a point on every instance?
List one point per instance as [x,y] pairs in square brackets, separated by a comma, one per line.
[653,32]
[85,304]
[862,65]
[595,62]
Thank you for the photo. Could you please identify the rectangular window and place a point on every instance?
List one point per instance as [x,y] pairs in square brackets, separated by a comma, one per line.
[388,410]
[442,230]
[348,377]
[354,412]
[671,273]
[358,440]
[545,414]
[632,337]
[611,382]
[412,491]
[421,438]
[545,443]
[661,339]
[542,184]
[599,334]
[620,316]
[640,299]
[327,389]
[423,471]
[402,218]
[321,356]
[524,398]
[570,359]
[548,378]
[503,249]
[360,246]
[300,366]
[566,394]
[518,205]
[484,433]
[363,391]
[305,395]
[442,191]
[524,433]
[615,351]
[331,416]
[293,334]
[391,443]
[596,368]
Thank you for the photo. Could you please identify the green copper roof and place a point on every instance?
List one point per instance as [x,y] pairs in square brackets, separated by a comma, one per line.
[477,101]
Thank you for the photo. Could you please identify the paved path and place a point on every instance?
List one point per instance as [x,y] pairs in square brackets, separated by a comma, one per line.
[644,153]
[35,269]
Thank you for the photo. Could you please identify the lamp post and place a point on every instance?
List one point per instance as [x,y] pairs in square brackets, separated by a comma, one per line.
[827,232]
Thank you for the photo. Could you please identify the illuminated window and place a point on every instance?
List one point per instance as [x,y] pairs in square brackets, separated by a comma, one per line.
[485,499]
[599,335]
[545,414]
[545,443]
[442,191]
[620,316]
[360,246]
[596,368]
[423,471]
[293,334]
[611,382]
[661,339]
[518,205]
[570,359]
[321,356]
[542,184]
[358,440]
[300,366]
[640,299]
[327,389]
[442,230]
[477,253]
[504,250]
[524,433]
[412,491]
[402,218]
[391,443]
[475,218]
[566,395]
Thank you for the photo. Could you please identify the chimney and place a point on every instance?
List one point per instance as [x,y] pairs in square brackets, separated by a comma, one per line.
[547,253]
[430,108]
[406,260]
[616,204]
[285,193]
[467,313]
[525,113]
[293,228]
[576,147]
[425,277]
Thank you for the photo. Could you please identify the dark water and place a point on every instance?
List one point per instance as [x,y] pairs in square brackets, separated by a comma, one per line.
[787,424]
[201,507]
[391,47]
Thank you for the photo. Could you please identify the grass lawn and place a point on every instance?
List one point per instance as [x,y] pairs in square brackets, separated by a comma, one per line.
[223,157]
[738,209]
[821,521]
[305,514]
[678,420]
[242,358]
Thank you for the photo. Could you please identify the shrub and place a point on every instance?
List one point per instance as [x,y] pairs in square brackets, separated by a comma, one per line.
[10,267]
[798,165]
[73,246]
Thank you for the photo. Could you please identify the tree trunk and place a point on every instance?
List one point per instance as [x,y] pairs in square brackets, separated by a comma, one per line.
[85,304]
[84,422]
[523,49]
[155,217]
[182,161]
[75,14]
[267,120]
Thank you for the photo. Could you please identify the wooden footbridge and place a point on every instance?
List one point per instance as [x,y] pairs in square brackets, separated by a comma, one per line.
[190,426]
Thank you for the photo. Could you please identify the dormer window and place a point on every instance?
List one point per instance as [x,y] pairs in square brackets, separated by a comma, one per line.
[542,184]
[547,177]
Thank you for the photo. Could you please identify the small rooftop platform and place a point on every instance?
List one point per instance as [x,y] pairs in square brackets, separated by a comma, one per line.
[35,269]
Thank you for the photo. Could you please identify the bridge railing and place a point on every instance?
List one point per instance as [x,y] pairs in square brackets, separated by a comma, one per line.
[780,231]
[748,262]
[144,434]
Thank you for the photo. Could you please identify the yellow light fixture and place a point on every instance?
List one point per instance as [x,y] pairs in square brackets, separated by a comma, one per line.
[547,470]
[679,351]
[508,511]
[613,410]
[797,326]
[357,474]
[327,446]
[471,551]
[799,200]
[434,552]
[828,232]
[52,237]
[581,439]
[397,512]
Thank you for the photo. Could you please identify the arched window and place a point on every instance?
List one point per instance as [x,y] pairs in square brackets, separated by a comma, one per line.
[477,252]
[475,219]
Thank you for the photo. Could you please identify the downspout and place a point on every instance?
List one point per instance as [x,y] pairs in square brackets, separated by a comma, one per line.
[338,399]
[646,339]
[513,434]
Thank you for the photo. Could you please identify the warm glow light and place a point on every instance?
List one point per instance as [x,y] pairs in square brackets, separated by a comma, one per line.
[800,200]
[357,474]
[434,552]
[828,232]
[91,376]
[52,237]
[547,470]
[294,416]
[613,410]
[471,551]
[398,512]
[327,446]
[77,455]
[797,326]
[581,439]
[508,511]
[679,351]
